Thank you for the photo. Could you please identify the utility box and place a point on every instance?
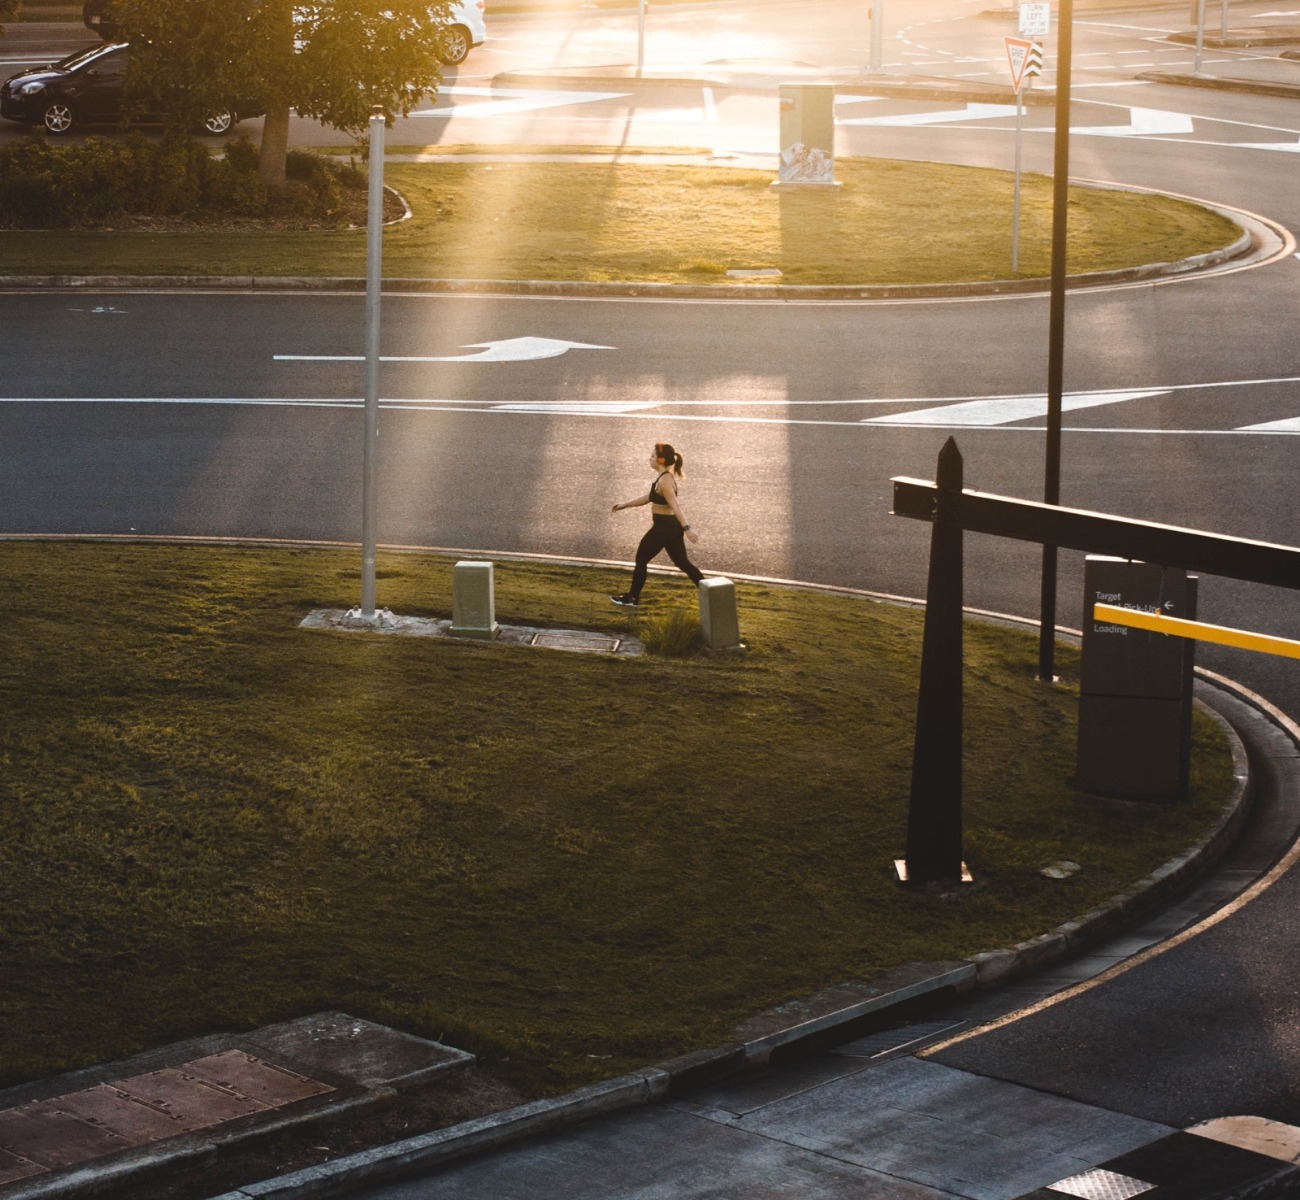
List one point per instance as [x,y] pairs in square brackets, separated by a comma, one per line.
[719,624]
[807,136]
[1135,701]
[473,601]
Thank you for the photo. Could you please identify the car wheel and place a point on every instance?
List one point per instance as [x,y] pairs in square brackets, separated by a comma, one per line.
[58,117]
[221,121]
[455,45]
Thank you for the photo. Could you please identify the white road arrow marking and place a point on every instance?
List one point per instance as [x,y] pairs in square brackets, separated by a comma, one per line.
[1002,410]
[505,102]
[972,112]
[523,349]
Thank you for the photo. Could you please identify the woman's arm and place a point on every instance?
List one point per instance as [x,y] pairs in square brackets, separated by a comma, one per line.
[669,493]
[643,499]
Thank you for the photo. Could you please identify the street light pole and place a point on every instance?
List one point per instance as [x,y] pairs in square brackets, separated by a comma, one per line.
[640,35]
[877,36]
[1056,333]
[370,453]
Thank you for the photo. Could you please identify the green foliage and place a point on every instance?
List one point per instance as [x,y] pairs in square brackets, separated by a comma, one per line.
[330,61]
[44,185]
[9,8]
[673,634]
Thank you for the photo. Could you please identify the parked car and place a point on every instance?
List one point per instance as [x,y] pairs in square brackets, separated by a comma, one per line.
[465,27]
[86,89]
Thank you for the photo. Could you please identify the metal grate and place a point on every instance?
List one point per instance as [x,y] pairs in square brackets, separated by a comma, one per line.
[1101,1185]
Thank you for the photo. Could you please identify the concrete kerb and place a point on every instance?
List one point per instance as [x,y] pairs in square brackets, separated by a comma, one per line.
[821,1020]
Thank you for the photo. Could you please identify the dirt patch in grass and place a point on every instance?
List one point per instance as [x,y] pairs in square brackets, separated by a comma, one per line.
[569,865]
[893,222]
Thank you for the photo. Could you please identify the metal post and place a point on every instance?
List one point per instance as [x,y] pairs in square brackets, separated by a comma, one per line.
[1056,335]
[1015,203]
[877,37]
[370,456]
[640,35]
[934,822]
[1223,20]
[1200,35]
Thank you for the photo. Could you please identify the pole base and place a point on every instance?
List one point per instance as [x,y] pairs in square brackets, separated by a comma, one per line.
[381,618]
[900,866]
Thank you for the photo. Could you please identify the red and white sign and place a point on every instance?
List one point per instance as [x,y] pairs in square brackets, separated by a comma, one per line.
[1025,59]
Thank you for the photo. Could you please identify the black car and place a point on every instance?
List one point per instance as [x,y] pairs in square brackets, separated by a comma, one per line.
[86,89]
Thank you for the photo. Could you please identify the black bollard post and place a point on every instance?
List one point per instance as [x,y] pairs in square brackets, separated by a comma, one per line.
[934,833]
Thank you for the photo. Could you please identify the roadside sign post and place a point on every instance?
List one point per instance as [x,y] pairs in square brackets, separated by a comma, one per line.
[1025,59]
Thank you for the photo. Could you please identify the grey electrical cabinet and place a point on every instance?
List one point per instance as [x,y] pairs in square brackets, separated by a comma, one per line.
[1135,687]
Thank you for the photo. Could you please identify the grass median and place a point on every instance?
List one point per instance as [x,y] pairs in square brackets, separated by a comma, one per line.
[570,865]
[892,223]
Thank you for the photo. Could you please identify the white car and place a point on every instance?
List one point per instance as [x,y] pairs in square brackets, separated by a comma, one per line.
[465,28]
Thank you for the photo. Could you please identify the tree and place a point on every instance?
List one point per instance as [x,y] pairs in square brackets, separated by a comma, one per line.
[9,8]
[333,60]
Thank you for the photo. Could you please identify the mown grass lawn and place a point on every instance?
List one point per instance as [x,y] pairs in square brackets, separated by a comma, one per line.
[567,864]
[893,222]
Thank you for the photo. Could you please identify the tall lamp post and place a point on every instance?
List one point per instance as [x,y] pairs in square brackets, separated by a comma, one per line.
[1056,333]
[370,453]
[877,36]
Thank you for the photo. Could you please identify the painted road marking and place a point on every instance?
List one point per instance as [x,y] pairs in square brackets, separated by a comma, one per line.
[1143,122]
[1002,410]
[972,112]
[504,102]
[1288,425]
[522,349]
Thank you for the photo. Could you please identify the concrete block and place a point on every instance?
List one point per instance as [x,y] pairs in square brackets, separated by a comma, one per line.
[719,623]
[473,602]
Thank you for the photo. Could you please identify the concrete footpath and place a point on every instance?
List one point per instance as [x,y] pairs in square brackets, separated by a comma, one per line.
[846,1103]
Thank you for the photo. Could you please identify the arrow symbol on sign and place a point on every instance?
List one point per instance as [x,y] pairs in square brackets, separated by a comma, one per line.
[523,349]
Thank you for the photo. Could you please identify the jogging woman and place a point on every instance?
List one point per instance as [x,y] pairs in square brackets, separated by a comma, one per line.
[668,529]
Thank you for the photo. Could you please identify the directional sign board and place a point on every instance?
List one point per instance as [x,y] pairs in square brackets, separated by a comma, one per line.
[1035,20]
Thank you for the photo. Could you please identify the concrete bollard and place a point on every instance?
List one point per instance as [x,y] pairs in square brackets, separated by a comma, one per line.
[473,605]
[718,621]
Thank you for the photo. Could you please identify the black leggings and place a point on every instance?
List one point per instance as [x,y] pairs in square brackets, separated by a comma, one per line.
[665,533]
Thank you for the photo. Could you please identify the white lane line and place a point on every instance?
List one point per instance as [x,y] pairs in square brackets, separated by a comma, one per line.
[629,412]
[1001,410]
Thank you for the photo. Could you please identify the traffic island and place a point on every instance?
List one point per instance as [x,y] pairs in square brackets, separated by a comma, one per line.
[472,844]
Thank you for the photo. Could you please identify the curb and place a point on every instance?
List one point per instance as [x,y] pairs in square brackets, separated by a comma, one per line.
[1217,83]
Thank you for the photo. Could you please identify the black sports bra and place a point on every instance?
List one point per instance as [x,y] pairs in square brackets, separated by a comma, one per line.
[655,497]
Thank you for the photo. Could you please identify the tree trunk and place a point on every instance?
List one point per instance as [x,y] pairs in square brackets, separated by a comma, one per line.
[275,148]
